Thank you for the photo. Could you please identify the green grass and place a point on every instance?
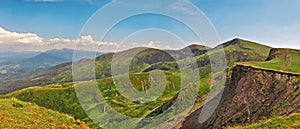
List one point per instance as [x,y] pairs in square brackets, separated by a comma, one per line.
[244,45]
[16,114]
[275,123]
[255,46]
[126,107]
[283,60]
[62,97]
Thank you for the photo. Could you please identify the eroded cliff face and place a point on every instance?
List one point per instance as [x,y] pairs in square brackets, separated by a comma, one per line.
[251,95]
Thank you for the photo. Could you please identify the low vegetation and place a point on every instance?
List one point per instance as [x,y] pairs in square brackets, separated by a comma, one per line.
[290,122]
[282,60]
[17,114]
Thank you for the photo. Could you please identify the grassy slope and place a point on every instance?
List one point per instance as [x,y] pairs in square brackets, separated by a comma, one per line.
[17,114]
[62,97]
[235,50]
[291,122]
[245,50]
[282,60]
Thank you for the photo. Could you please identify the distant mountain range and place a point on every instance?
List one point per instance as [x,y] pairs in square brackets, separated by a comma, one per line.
[13,56]
[14,64]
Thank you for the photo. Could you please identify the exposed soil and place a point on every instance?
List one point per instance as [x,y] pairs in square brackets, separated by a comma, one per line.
[251,95]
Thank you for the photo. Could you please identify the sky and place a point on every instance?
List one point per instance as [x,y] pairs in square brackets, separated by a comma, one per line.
[40,25]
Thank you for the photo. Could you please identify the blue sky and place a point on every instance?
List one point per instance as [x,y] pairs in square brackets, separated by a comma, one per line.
[272,22]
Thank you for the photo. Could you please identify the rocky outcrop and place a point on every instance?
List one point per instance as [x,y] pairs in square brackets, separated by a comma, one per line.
[251,95]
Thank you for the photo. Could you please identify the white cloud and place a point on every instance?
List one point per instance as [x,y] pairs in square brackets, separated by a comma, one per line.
[14,37]
[88,43]
[83,43]
[150,44]
[157,44]
[14,41]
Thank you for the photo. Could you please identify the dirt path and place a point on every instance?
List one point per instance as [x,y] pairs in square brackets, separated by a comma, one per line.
[287,62]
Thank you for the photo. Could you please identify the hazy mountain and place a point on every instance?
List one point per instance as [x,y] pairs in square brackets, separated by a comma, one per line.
[14,56]
[15,64]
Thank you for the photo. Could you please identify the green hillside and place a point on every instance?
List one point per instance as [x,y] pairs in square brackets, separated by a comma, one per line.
[279,59]
[236,50]
[290,122]
[62,97]
[16,114]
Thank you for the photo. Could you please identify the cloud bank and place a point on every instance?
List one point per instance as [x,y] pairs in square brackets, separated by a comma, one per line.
[14,37]
[14,41]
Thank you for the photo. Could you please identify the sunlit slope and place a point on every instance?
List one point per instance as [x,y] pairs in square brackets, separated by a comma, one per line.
[16,114]
[62,97]
[290,122]
[279,59]
[236,50]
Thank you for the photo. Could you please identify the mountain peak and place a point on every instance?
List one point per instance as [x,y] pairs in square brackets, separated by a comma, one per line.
[237,38]
[61,50]
[232,42]
[197,46]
